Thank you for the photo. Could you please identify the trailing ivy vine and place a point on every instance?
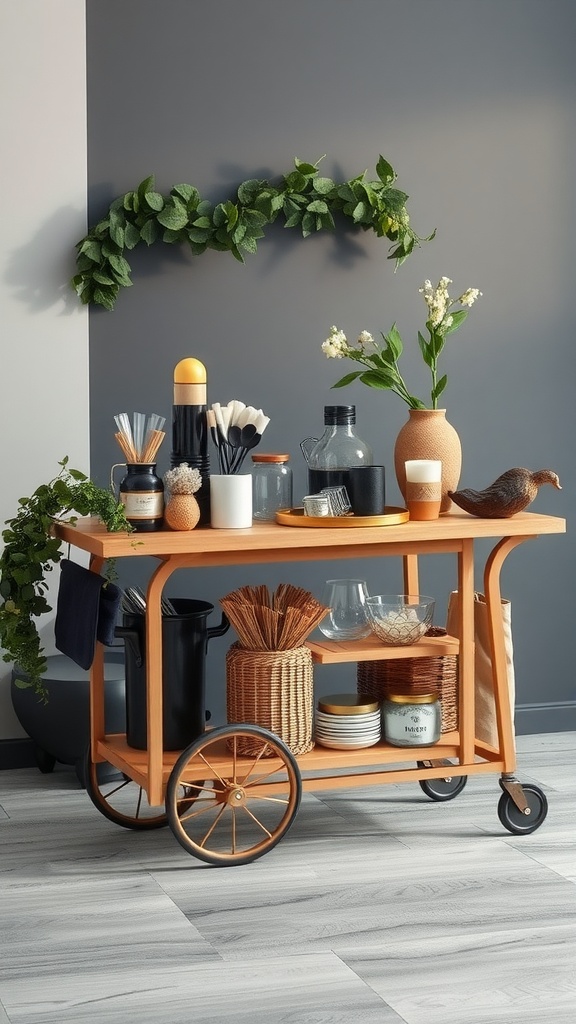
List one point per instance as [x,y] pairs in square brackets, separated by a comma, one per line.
[304,198]
[31,551]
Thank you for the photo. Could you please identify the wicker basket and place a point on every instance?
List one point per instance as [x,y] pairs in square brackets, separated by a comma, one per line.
[408,676]
[273,689]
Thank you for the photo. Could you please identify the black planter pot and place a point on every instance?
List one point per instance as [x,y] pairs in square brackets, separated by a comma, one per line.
[60,729]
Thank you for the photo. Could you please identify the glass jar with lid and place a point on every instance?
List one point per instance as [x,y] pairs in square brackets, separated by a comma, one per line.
[271,485]
[412,720]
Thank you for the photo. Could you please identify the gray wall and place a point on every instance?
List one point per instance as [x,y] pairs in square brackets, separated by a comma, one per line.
[472,101]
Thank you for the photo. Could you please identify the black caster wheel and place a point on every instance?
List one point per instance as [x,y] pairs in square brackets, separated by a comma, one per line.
[519,822]
[442,789]
[246,802]
[44,761]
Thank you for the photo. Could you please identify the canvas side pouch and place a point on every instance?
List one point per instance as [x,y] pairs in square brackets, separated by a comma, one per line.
[485,706]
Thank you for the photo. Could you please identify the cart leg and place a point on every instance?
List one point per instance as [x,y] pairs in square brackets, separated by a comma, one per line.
[410,567]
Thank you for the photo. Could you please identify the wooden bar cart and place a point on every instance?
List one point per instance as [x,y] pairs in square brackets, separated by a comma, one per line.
[228,808]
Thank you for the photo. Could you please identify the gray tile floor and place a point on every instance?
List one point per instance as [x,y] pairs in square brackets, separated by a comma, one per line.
[379,906]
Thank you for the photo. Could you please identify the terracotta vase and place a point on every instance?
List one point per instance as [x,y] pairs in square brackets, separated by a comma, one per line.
[428,435]
[182,512]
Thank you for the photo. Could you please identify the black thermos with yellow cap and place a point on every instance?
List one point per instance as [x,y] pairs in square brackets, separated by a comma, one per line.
[190,426]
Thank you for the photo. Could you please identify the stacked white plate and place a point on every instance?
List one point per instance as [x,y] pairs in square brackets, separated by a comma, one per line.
[347,721]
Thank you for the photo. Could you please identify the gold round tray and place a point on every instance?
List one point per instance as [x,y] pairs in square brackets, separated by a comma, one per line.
[392,516]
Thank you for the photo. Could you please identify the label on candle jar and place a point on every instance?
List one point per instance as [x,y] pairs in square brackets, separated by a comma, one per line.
[423,499]
[412,725]
[423,492]
[143,504]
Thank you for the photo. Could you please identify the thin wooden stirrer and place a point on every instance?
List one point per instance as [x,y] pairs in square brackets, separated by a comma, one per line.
[307,625]
[127,449]
[151,450]
[244,621]
[291,617]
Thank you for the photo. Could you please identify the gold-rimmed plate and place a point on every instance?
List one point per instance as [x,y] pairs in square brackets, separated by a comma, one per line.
[392,516]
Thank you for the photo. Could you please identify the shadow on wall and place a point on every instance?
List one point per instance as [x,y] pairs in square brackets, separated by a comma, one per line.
[275,250]
[39,272]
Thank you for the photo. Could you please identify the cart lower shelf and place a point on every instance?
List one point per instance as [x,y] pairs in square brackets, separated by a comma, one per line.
[234,792]
[312,766]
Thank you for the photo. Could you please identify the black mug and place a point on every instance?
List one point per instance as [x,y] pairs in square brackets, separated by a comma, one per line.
[367,490]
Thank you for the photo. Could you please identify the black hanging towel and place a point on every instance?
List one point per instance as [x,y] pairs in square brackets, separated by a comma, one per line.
[86,612]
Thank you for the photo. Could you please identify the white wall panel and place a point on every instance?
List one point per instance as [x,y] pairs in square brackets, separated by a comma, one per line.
[43,330]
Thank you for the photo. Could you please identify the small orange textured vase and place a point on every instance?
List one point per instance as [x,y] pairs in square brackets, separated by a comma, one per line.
[428,435]
[182,512]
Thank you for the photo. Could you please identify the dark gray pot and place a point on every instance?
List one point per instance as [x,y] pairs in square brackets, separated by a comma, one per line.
[60,729]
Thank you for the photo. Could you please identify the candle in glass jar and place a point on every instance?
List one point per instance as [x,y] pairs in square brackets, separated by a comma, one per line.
[412,720]
[423,488]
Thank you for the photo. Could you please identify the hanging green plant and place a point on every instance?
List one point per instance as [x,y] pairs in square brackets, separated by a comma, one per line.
[304,198]
[31,551]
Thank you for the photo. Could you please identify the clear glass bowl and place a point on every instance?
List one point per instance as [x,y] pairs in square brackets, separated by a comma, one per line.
[399,619]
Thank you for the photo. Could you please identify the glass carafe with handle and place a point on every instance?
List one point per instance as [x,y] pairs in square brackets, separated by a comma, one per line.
[337,450]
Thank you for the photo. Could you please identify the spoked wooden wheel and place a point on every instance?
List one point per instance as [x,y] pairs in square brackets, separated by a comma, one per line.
[246,803]
[119,798]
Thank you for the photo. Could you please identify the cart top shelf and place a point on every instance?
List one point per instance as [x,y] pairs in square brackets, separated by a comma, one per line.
[271,542]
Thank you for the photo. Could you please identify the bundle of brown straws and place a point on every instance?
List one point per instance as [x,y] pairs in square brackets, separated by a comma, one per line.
[277,622]
[147,456]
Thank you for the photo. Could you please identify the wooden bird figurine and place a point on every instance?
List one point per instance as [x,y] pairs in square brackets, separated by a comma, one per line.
[510,493]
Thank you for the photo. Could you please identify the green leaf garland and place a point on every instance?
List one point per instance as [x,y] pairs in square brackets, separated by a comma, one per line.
[303,198]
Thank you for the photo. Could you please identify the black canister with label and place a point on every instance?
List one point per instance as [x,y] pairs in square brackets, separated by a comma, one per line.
[142,494]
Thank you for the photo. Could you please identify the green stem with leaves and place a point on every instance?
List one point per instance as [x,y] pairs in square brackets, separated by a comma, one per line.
[382,369]
[382,362]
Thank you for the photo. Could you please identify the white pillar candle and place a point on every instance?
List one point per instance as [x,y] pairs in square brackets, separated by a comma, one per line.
[423,471]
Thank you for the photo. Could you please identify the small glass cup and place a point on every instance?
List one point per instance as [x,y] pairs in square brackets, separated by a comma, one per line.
[347,618]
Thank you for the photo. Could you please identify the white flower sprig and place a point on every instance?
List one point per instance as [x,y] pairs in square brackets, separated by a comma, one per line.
[381,362]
